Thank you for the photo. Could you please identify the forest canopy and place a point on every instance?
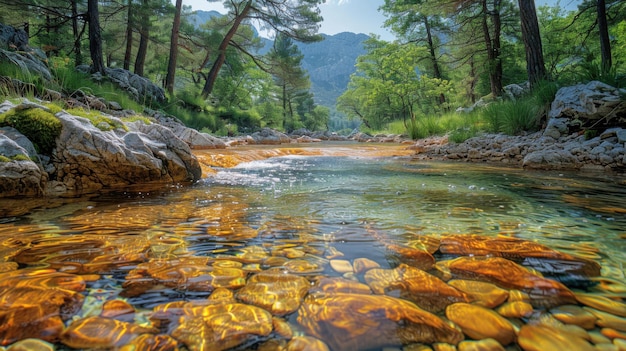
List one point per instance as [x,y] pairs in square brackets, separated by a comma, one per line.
[222,77]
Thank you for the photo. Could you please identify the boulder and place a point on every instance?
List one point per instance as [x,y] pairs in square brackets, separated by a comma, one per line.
[584,105]
[14,49]
[194,138]
[20,175]
[269,136]
[140,88]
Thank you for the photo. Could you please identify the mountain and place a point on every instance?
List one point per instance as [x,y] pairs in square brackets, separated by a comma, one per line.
[329,62]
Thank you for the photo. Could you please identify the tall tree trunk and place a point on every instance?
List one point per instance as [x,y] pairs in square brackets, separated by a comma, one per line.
[144,36]
[171,66]
[78,56]
[129,35]
[535,65]
[221,51]
[95,37]
[605,43]
[492,42]
[433,56]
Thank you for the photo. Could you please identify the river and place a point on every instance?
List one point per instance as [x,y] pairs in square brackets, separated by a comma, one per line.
[311,212]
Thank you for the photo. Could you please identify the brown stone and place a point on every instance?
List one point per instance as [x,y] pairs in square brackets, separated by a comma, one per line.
[480,345]
[362,265]
[188,274]
[602,303]
[278,292]
[572,314]
[425,290]
[357,322]
[149,342]
[530,253]
[118,309]
[542,338]
[480,323]
[31,345]
[483,294]
[98,332]
[508,274]
[221,326]
[607,320]
[306,343]
[414,257]
[340,285]
[515,309]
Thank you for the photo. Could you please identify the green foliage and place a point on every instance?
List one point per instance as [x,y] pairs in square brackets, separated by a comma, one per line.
[20,157]
[512,117]
[38,125]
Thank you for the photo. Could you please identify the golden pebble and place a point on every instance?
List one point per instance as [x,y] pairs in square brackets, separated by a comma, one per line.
[361,265]
[341,266]
[480,345]
[479,323]
[620,343]
[598,338]
[602,303]
[571,314]
[440,346]
[608,320]
[543,338]
[515,309]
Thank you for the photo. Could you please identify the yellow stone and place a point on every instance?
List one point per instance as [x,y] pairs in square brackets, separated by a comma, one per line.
[480,323]
[341,266]
[572,314]
[482,293]
[515,309]
[480,345]
[543,338]
[607,320]
[306,343]
[362,265]
[602,303]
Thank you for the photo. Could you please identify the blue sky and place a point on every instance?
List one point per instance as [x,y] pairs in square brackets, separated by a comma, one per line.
[358,16]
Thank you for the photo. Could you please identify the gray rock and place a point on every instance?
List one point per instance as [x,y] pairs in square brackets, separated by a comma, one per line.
[269,136]
[19,177]
[591,101]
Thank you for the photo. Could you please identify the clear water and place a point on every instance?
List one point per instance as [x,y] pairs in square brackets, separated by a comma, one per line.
[327,204]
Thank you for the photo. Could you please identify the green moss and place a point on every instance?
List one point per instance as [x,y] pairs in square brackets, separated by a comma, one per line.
[4,159]
[38,125]
[135,118]
[99,120]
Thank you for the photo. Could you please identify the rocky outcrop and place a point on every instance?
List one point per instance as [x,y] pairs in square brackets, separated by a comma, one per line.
[567,143]
[140,88]
[14,49]
[196,140]
[88,159]
[267,136]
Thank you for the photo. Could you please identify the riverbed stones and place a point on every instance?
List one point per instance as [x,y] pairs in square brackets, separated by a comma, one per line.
[481,293]
[411,256]
[185,273]
[98,332]
[333,285]
[275,290]
[507,274]
[528,253]
[607,320]
[427,291]
[542,337]
[573,314]
[222,326]
[602,303]
[356,322]
[480,323]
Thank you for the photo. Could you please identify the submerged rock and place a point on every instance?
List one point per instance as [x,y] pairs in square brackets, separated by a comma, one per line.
[278,292]
[425,290]
[222,326]
[480,323]
[101,333]
[541,291]
[357,322]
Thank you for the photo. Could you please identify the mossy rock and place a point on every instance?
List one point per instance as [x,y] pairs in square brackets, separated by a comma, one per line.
[41,127]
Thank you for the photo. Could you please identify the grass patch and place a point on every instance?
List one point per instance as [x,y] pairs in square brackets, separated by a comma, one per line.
[100,121]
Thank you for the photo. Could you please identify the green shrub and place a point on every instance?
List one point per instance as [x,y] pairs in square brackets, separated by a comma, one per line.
[99,120]
[38,125]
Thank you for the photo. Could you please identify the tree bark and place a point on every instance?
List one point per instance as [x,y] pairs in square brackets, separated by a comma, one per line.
[78,60]
[535,65]
[605,43]
[95,37]
[492,43]
[221,51]
[433,56]
[144,33]
[171,66]
[129,35]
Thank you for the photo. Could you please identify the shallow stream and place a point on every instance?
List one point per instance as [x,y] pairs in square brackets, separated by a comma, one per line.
[310,215]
